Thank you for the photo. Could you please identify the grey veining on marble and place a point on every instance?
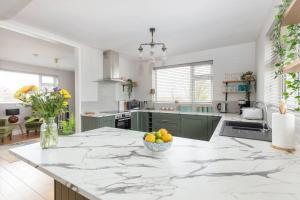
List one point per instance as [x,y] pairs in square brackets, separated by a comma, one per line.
[112,164]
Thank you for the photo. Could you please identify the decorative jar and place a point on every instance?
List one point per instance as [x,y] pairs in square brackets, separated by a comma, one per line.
[49,133]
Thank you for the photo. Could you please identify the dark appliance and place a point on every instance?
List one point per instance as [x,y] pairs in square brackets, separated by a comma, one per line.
[133,105]
[12,113]
[123,120]
[243,104]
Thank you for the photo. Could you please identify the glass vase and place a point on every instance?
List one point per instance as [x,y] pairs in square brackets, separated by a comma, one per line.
[49,133]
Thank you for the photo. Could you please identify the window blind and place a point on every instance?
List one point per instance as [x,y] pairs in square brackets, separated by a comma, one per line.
[190,82]
[272,86]
[275,87]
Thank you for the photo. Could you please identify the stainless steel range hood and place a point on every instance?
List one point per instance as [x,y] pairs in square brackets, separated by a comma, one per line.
[111,71]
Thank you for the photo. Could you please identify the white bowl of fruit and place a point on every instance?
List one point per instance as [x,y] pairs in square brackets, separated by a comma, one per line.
[158,141]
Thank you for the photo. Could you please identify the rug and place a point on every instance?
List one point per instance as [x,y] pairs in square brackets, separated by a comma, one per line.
[7,156]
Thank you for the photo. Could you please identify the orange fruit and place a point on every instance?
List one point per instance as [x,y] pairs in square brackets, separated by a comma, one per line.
[167,137]
[150,138]
[163,131]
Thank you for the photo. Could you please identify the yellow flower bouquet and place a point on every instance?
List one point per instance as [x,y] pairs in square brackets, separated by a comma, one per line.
[46,106]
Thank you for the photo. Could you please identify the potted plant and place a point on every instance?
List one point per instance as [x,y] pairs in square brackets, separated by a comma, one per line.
[68,126]
[130,84]
[46,106]
[286,48]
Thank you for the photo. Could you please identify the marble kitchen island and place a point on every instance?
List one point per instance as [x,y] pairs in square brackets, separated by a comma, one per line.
[112,164]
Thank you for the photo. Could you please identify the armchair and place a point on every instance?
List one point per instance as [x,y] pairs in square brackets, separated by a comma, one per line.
[32,126]
[5,129]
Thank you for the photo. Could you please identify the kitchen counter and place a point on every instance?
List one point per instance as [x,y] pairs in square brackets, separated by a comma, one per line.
[112,164]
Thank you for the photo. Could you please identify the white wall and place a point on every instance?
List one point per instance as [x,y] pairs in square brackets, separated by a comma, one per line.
[109,93]
[66,80]
[91,71]
[229,59]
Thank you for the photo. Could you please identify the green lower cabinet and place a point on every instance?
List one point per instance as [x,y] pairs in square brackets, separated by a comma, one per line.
[135,121]
[143,121]
[212,123]
[194,127]
[91,123]
[171,122]
[108,121]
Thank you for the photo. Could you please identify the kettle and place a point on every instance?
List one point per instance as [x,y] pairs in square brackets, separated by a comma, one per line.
[222,107]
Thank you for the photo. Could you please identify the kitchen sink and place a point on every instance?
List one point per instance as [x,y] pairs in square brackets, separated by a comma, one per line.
[248,130]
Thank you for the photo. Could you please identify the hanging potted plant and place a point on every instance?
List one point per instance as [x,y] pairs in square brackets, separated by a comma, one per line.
[286,48]
[46,106]
[130,84]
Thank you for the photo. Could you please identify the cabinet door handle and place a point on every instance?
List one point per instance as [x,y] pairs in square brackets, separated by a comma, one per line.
[165,120]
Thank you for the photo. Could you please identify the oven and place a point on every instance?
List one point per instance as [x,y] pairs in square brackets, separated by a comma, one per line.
[123,120]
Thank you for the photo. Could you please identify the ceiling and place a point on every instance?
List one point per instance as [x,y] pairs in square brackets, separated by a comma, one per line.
[10,8]
[184,25]
[20,48]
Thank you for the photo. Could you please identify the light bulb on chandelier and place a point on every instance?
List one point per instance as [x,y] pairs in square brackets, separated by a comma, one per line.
[152,45]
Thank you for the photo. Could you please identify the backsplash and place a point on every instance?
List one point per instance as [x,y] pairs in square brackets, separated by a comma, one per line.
[232,106]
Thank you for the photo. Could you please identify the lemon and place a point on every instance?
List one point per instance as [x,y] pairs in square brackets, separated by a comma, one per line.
[146,135]
[163,131]
[167,137]
[150,138]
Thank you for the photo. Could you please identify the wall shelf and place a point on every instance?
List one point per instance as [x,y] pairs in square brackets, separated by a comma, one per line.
[293,67]
[292,14]
[237,92]
[246,93]
[238,81]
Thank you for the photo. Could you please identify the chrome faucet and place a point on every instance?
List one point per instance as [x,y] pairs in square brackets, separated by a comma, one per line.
[265,113]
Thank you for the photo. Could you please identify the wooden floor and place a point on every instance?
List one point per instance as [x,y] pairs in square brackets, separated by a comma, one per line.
[19,138]
[20,181]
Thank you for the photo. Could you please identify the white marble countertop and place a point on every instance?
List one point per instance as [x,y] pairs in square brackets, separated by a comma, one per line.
[112,164]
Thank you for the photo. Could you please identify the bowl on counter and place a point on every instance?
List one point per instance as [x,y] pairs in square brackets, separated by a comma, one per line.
[157,147]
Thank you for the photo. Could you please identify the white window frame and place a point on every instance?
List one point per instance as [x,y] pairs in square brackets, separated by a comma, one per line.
[56,81]
[193,79]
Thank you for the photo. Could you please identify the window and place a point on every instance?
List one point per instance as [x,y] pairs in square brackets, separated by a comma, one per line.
[48,82]
[275,87]
[272,86]
[185,83]
[291,101]
[10,82]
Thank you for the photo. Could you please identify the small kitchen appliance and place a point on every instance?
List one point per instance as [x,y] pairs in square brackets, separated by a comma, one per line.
[252,113]
[133,105]
[222,107]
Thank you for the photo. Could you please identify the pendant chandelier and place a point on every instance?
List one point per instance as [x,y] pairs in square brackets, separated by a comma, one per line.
[152,45]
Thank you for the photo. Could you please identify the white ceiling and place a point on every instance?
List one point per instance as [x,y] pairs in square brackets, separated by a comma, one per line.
[184,25]
[10,8]
[20,48]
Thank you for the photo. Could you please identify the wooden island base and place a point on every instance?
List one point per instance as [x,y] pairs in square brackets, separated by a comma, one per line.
[61,192]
